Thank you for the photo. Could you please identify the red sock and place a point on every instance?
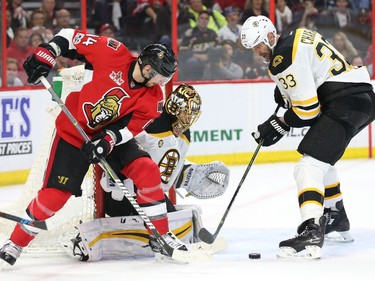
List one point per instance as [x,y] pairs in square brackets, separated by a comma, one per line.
[150,196]
[43,206]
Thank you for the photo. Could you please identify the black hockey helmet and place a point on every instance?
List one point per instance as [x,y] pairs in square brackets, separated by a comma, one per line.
[160,57]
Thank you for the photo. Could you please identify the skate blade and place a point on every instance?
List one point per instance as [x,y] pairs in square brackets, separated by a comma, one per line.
[220,244]
[4,266]
[339,237]
[310,253]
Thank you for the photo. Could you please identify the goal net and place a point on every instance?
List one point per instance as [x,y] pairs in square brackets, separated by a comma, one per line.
[77,209]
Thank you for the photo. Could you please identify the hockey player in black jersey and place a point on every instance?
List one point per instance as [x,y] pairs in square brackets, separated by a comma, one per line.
[320,89]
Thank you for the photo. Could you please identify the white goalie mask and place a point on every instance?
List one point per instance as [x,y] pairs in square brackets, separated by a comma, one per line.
[184,103]
[255,30]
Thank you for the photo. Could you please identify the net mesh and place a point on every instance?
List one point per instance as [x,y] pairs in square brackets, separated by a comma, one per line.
[77,209]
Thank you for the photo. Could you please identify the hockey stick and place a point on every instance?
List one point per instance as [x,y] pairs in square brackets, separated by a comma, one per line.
[204,234]
[37,224]
[108,169]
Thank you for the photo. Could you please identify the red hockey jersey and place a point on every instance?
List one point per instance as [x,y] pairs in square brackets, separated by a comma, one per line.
[110,94]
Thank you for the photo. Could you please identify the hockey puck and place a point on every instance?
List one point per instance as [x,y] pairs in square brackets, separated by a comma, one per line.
[254,256]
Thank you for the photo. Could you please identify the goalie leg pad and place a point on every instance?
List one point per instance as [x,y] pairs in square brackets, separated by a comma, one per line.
[121,237]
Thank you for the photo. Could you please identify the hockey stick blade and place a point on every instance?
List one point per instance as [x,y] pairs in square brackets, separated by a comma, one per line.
[206,236]
[220,244]
[200,251]
[37,224]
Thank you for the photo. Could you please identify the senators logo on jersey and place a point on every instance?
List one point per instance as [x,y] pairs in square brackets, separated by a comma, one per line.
[106,109]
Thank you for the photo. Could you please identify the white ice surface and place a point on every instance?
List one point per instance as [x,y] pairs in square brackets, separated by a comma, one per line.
[264,213]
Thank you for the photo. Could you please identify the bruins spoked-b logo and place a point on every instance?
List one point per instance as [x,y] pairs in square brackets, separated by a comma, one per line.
[106,109]
[167,164]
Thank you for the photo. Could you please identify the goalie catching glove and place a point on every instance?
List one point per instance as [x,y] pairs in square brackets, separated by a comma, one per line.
[204,181]
[100,146]
[271,131]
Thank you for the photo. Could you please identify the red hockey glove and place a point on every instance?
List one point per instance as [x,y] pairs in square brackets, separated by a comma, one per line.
[40,63]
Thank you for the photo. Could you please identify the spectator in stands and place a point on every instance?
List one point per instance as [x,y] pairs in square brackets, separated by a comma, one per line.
[220,63]
[164,25]
[20,49]
[357,61]
[342,44]
[48,7]
[357,5]
[360,31]
[220,5]
[254,8]
[257,69]
[283,17]
[37,24]
[295,5]
[334,19]
[216,19]
[342,13]
[10,30]
[19,14]
[369,59]
[194,48]
[35,39]
[140,20]
[12,73]
[62,20]
[107,30]
[232,30]
[99,13]
[147,9]
[310,12]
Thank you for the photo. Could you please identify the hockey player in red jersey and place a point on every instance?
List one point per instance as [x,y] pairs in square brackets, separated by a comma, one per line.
[319,89]
[120,96]
[167,140]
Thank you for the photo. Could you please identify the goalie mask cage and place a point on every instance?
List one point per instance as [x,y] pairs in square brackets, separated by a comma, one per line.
[77,209]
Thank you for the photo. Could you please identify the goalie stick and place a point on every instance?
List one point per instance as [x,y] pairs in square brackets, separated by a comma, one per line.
[177,255]
[204,234]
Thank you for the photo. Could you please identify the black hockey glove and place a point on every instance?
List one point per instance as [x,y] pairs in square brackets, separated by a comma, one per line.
[280,99]
[100,146]
[271,131]
[40,63]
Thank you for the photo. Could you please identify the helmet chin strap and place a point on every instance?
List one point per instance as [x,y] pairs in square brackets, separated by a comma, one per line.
[150,76]
[273,45]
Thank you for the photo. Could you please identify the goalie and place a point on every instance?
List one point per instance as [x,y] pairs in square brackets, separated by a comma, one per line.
[167,141]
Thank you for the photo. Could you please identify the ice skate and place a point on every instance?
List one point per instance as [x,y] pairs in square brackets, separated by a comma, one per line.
[338,226]
[308,243]
[181,253]
[9,254]
[172,241]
